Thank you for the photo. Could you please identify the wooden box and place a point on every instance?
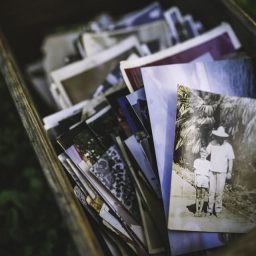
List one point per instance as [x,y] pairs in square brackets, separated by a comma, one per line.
[23,28]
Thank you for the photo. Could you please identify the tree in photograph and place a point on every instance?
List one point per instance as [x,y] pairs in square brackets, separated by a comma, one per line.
[238,116]
[196,117]
[198,113]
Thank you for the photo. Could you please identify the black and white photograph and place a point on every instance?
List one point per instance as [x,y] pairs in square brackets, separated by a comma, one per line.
[113,173]
[214,173]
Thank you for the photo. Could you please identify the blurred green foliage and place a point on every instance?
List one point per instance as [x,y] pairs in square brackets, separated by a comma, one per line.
[249,6]
[31,223]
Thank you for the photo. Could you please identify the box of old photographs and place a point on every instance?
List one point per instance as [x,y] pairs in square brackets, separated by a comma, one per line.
[154,128]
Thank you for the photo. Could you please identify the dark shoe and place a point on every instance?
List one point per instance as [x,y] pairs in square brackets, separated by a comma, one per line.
[208,214]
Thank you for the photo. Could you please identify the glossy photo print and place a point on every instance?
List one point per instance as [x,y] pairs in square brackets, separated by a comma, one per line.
[214,173]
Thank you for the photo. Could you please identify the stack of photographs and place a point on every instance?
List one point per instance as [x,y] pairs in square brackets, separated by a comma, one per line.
[155,129]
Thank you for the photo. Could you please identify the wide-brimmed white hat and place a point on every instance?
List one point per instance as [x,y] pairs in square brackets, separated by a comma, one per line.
[220,132]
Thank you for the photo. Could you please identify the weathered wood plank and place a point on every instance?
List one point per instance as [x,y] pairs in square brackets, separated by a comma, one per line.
[73,214]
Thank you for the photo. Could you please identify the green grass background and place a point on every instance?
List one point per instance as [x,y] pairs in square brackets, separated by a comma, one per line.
[30,221]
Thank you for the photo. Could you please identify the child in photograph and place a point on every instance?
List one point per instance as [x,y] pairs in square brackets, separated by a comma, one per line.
[202,169]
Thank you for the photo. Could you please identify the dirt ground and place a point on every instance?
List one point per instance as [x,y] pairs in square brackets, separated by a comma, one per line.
[183,197]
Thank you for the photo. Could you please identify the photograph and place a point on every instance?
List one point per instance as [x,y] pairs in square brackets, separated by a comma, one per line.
[223,77]
[77,81]
[213,176]
[128,222]
[143,162]
[105,118]
[155,35]
[71,174]
[175,19]
[161,92]
[113,79]
[139,104]
[150,207]
[56,47]
[218,42]
[190,25]
[107,216]
[112,171]
[94,105]
[155,243]
[54,119]
[82,144]
[148,14]
[112,98]
[131,118]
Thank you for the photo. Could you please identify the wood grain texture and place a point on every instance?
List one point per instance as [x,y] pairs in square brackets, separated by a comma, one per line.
[72,212]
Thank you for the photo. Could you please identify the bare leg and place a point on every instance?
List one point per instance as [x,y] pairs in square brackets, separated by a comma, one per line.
[197,207]
[197,201]
[202,200]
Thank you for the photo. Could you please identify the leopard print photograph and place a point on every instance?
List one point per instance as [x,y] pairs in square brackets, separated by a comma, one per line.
[113,173]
